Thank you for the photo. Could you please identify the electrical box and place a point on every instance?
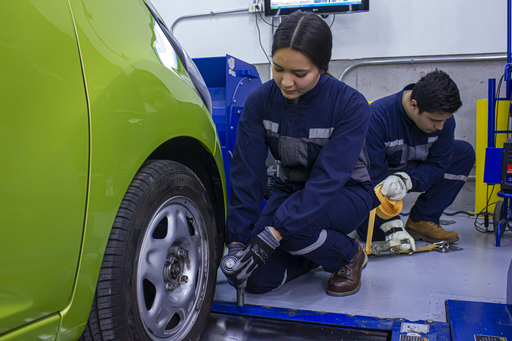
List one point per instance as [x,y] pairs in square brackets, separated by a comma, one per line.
[506,167]
[493,163]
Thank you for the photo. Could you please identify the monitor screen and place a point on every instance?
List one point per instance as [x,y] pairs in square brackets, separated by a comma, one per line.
[285,7]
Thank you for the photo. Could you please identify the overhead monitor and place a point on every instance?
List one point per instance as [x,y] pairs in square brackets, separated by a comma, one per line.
[285,7]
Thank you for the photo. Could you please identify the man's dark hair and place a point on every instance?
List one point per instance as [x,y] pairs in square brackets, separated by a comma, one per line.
[307,33]
[436,91]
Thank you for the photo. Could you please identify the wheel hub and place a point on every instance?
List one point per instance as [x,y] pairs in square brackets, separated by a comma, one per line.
[173,268]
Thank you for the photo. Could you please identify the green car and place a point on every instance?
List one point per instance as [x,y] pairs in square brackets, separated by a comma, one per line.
[112,187]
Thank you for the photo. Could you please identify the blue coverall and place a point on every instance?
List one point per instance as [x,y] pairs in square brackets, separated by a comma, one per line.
[323,191]
[437,164]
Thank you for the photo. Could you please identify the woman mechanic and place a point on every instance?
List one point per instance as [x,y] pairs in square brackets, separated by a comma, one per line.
[315,126]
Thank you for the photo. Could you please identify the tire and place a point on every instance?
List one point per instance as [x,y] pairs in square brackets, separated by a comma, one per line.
[157,279]
[498,216]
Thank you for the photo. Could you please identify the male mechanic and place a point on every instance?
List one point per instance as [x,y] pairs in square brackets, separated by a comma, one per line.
[411,147]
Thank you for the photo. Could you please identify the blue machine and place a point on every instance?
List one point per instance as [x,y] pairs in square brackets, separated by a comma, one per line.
[230,81]
[498,161]
[498,170]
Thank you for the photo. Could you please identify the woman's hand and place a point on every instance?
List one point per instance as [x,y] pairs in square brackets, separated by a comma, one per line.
[240,266]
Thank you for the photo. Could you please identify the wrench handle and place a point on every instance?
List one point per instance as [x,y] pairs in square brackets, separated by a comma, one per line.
[240,297]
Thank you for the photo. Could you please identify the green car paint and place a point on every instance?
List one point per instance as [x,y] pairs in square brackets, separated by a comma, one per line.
[45,146]
[85,100]
[44,329]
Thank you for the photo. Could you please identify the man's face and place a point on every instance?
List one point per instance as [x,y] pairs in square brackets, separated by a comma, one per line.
[429,122]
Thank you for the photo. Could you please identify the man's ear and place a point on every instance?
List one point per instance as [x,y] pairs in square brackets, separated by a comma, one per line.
[414,105]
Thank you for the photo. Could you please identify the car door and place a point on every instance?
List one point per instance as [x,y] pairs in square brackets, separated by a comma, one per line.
[44,148]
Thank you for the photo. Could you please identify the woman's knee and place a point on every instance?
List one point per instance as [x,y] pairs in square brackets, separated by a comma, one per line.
[261,283]
[351,209]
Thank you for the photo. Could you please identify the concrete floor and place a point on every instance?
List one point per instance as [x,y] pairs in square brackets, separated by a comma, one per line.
[413,287]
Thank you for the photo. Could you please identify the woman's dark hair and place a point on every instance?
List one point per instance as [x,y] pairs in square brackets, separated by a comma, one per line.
[308,34]
[436,91]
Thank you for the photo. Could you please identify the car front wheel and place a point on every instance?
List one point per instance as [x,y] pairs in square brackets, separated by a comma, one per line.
[157,279]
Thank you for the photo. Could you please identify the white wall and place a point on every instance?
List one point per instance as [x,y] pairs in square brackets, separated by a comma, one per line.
[392,28]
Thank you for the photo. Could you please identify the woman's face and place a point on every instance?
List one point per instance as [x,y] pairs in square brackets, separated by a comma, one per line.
[294,73]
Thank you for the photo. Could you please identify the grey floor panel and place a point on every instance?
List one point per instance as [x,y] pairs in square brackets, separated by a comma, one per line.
[413,287]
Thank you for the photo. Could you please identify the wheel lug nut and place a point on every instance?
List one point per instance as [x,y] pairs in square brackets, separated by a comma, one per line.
[169,286]
[182,253]
[183,279]
[170,260]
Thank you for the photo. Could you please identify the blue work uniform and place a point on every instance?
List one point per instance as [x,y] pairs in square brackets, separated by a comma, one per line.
[323,190]
[437,164]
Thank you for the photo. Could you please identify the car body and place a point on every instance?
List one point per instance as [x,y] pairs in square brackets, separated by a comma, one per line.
[90,93]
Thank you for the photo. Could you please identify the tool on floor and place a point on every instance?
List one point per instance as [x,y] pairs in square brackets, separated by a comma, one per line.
[387,210]
[391,247]
[377,248]
[442,246]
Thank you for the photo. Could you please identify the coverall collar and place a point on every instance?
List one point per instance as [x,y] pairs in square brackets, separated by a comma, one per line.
[398,99]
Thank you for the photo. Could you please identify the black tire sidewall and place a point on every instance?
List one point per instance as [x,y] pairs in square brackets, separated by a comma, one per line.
[179,181]
[498,216]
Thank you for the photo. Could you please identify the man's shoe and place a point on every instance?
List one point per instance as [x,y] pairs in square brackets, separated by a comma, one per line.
[347,281]
[430,232]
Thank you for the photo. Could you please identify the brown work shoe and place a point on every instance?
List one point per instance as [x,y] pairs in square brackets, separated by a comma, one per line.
[430,232]
[347,281]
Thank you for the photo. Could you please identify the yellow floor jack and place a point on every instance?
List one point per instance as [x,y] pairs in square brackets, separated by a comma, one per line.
[387,210]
